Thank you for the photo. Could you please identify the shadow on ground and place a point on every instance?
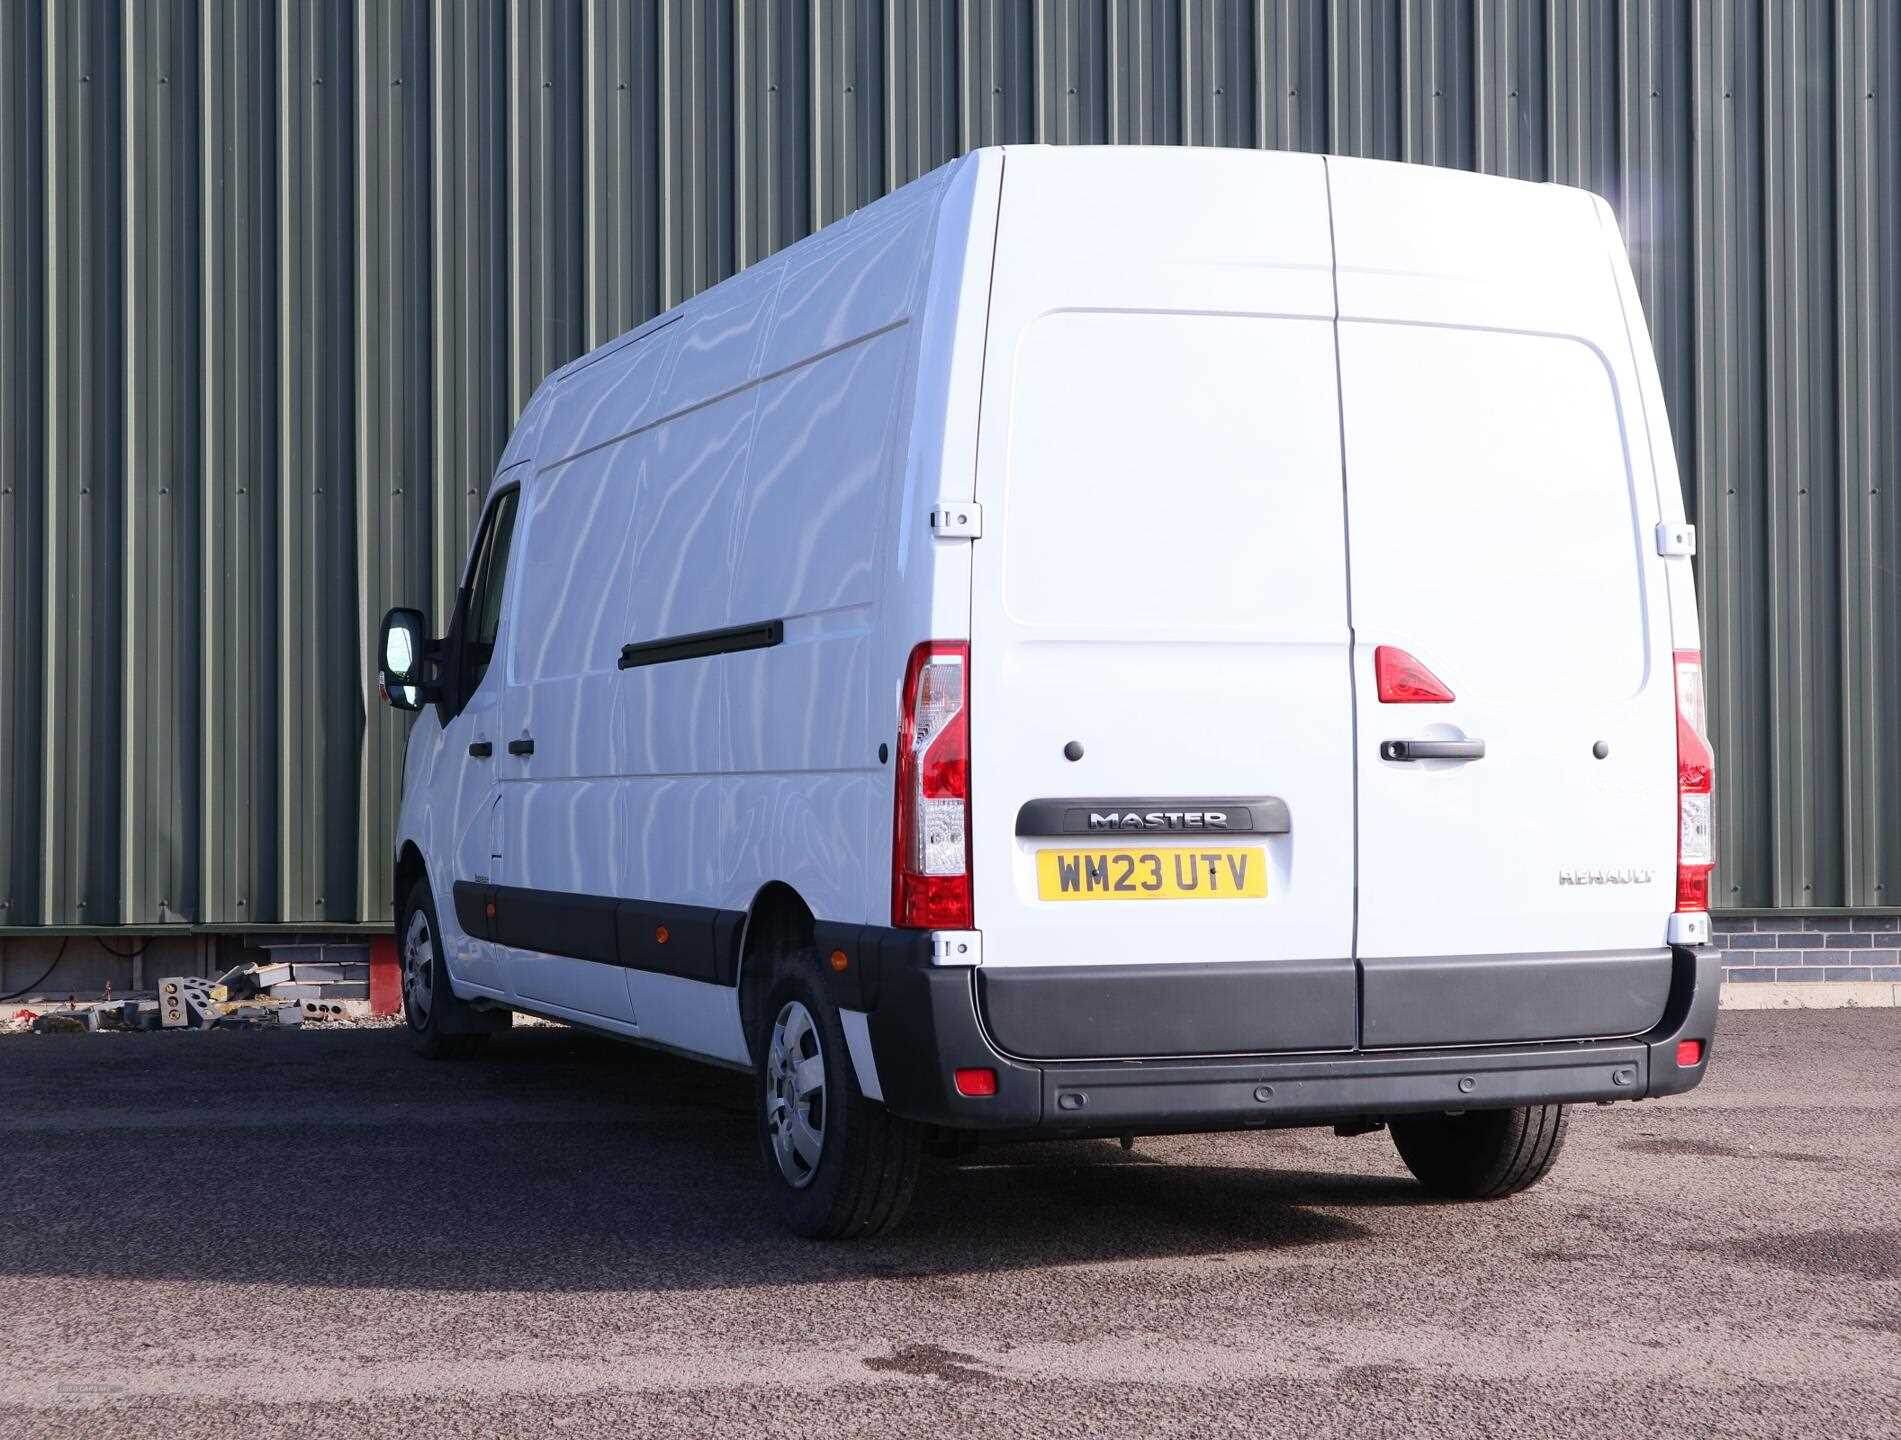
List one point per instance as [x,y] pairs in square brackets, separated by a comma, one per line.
[555,1162]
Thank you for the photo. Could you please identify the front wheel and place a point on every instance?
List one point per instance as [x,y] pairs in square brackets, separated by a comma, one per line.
[842,1166]
[1481,1154]
[441,1027]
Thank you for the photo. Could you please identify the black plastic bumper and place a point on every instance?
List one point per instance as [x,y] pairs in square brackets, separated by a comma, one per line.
[925,1026]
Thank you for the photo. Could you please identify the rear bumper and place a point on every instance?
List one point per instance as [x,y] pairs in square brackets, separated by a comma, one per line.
[925,1025]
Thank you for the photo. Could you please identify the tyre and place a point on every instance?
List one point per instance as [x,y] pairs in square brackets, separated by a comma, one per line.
[1481,1154]
[841,1166]
[441,1027]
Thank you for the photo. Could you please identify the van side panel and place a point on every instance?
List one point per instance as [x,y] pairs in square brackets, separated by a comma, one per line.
[731,464]
[798,738]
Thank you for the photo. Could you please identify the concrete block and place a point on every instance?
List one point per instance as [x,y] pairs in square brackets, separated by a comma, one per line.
[1811,996]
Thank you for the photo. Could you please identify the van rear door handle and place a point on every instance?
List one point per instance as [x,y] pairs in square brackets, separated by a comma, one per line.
[481,749]
[521,747]
[1432,749]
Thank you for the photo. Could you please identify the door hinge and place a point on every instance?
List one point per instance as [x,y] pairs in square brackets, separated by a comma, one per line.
[957,947]
[957,520]
[1676,539]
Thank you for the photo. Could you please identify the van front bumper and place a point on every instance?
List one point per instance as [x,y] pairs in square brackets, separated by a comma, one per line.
[924,1026]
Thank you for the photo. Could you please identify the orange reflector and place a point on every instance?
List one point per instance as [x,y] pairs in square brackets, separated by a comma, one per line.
[661,934]
[839,962]
[1689,1054]
[489,909]
[976,1083]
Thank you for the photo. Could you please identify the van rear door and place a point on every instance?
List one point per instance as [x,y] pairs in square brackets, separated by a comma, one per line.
[1502,508]
[1161,791]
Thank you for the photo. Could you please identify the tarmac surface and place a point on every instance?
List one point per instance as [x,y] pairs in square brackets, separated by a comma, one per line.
[319,1235]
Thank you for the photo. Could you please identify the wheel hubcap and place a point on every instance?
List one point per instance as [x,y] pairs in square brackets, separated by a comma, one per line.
[795,1094]
[419,970]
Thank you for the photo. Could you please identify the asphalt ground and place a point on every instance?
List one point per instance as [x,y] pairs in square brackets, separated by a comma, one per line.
[317,1234]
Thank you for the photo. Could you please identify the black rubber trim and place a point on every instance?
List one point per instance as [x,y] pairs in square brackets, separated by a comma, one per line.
[856,985]
[760,636]
[1259,815]
[926,1026]
[1695,985]
[1217,1094]
[1080,1012]
[471,909]
[1491,999]
[701,942]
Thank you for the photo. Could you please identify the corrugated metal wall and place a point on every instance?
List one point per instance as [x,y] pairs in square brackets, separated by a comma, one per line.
[276,275]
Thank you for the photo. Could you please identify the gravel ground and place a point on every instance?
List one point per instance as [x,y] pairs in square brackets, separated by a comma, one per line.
[318,1235]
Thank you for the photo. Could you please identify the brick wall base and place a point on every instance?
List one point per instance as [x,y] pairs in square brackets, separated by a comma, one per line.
[1806,949]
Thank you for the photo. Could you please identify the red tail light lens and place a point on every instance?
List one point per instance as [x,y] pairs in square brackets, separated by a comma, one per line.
[1696,780]
[930,834]
[1689,1054]
[1402,680]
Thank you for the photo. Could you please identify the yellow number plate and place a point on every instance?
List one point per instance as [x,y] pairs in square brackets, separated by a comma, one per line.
[1211,874]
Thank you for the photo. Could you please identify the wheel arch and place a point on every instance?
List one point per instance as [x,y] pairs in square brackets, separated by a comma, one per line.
[410,867]
[778,922]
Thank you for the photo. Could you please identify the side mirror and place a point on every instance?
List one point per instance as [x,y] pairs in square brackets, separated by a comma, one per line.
[401,651]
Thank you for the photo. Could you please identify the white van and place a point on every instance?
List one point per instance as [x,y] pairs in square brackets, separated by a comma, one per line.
[1099,642]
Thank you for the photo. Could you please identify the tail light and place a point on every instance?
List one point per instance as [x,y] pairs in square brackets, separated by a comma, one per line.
[930,836]
[1696,780]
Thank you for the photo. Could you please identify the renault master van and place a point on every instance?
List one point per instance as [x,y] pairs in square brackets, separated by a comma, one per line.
[1101,642]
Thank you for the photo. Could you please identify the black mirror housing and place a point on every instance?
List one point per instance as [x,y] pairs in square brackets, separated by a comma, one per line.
[402,653]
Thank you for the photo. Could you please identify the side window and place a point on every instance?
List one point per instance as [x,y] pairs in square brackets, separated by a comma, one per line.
[486,587]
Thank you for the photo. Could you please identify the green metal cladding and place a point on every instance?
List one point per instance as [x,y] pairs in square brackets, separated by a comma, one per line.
[276,276]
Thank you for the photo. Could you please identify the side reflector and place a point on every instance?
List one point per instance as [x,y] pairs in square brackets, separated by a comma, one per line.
[1402,680]
[976,1083]
[1689,1054]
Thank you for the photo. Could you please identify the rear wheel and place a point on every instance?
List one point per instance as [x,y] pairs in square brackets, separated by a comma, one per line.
[842,1166]
[1481,1154]
[439,1023]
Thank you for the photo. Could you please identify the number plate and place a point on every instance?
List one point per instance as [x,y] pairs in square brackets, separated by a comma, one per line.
[1215,873]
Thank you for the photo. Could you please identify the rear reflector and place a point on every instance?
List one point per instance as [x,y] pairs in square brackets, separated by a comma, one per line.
[1689,1054]
[930,832]
[978,1083]
[1696,779]
[1402,680]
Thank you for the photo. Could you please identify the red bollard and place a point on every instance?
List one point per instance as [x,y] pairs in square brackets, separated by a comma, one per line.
[386,977]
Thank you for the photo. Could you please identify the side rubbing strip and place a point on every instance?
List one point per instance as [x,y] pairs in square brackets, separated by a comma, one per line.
[694,942]
[760,636]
